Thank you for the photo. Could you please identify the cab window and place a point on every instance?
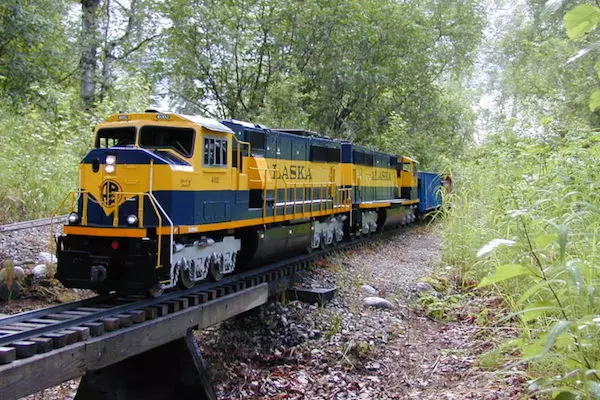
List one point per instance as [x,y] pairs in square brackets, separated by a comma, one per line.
[115,137]
[160,137]
[215,152]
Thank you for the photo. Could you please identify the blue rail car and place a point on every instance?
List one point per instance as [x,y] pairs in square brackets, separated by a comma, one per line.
[430,191]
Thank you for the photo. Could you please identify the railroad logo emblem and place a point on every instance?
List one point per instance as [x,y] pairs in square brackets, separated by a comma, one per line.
[109,190]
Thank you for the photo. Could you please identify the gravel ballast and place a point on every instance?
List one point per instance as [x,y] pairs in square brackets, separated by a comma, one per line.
[350,349]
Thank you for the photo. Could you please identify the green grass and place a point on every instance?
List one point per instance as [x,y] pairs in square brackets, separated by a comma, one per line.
[41,146]
[38,166]
[544,197]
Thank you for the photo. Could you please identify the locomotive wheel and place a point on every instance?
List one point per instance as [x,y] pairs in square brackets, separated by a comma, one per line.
[213,272]
[185,278]
[156,291]
[310,248]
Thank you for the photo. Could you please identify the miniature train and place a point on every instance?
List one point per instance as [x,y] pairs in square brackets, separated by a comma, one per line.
[167,199]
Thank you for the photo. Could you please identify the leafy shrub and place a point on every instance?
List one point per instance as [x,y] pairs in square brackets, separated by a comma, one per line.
[40,148]
[532,211]
[38,161]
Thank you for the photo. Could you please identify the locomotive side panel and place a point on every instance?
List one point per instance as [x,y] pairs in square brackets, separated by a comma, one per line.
[291,175]
[377,186]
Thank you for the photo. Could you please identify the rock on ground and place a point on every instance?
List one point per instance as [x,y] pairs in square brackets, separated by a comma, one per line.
[378,302]
[40,271]
[369,289]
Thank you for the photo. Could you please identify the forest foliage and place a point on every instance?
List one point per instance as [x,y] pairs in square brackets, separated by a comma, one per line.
[377,72]
[524,221]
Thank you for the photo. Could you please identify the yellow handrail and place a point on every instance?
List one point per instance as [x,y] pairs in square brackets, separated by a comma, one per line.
[239,154]
[339,196]
[265,196]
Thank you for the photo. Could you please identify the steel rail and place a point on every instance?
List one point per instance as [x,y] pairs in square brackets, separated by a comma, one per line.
[42,312]
[59,219]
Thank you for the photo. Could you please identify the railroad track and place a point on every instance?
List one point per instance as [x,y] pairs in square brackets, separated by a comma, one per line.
[39,331]
[17,226]
[28,375]
[42,348]
[36,332]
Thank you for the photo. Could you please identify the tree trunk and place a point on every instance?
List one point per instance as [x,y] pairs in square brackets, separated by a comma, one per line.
[90,43]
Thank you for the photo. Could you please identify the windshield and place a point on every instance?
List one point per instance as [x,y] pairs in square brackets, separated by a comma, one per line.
[115,137]
[179,139]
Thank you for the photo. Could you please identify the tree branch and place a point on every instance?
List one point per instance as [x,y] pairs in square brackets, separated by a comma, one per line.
[200,106]
[138,46]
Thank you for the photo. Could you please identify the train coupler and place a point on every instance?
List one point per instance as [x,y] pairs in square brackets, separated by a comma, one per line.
[98,273]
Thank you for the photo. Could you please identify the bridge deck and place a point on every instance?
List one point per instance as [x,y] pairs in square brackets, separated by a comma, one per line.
[30,375]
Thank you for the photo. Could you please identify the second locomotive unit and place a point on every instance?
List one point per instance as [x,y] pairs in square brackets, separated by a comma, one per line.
[167,199]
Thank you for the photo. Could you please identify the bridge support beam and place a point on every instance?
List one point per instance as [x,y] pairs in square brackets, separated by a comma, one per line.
[175,370]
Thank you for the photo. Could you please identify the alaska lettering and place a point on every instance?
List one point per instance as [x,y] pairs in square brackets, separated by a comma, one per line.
[293,172]
[381,176]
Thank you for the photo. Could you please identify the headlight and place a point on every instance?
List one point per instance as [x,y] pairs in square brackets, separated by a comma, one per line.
[132,219]
[111,160]
[109,168]
[73,218]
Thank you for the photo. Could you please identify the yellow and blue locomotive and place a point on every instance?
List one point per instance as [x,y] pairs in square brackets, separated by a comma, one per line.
[167,199]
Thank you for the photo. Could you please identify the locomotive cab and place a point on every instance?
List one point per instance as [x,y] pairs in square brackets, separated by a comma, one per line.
[407,178]
[149,182]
